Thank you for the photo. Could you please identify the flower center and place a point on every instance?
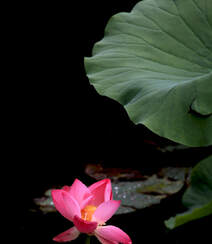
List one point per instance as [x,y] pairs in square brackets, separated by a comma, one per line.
[87,212]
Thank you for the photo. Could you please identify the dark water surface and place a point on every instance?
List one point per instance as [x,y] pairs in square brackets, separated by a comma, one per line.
[143,226]
[59,124]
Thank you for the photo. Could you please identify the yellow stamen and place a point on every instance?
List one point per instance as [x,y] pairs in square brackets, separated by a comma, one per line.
[87,212]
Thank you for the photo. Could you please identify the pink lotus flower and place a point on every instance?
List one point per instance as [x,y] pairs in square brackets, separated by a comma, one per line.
[89,208]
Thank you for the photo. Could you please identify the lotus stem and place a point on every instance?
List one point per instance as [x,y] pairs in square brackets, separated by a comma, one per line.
[88,240]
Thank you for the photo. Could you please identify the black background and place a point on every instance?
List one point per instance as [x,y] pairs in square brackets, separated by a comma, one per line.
[57,121]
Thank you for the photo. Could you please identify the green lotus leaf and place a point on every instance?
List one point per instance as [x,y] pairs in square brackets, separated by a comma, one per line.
[157,62]
[198,197]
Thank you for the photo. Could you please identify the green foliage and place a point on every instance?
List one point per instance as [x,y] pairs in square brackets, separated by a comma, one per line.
[198,197]
[157,62]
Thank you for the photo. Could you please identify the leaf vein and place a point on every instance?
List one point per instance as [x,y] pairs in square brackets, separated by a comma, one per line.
[193,32]
[183,44]
[204,14]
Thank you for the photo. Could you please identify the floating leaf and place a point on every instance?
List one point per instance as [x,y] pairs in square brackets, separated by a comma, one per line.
[45,203]
[131,198]
[160,186]
[134,195]
[198,197]
[175,173]
[157,62]
[142,194]
[98,172]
